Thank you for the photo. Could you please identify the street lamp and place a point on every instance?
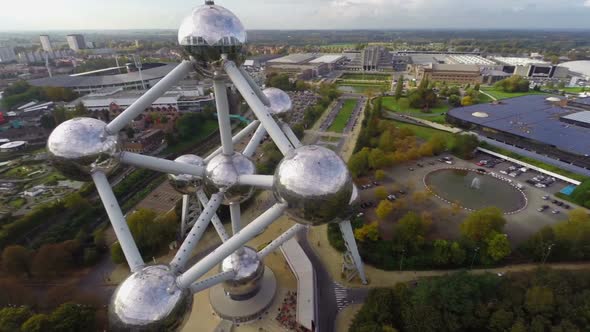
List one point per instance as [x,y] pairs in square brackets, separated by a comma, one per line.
[549,247]
[401,262]
[476,250]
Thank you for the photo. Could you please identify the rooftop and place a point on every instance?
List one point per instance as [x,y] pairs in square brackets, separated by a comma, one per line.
[328,58]
[530,117]
[296,58]
[514,61]
[580,67]
[579,117]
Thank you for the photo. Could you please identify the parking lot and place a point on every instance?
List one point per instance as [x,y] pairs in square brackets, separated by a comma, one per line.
[543,209]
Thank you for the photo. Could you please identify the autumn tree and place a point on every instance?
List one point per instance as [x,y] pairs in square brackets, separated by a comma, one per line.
[36,323]
[399,88]
[359,162]
[381,193]
[380,175]
[479,225]
[11,318]
[384,209]
[367,232]
[16,260]
[498,247]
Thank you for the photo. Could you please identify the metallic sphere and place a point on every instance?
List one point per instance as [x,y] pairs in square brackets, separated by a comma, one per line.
[222,174]
[185,183]
[81,146]
[280,102]
[249,272]
[316,185]
[210,31]
[149,300]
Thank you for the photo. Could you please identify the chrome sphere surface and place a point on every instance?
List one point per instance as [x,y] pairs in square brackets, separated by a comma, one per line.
[315,183]
[210,31]
[249,272]
[80,146]
[149,300]
[186,183]
[280,102]
[222,173]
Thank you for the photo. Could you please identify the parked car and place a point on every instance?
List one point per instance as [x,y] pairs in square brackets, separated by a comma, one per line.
[546,197]
[555,211]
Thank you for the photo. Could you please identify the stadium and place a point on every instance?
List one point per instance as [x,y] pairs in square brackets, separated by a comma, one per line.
[551,126]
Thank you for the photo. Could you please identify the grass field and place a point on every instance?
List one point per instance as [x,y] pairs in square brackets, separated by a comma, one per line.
[424,132]
[17,203]
[575,89]
[498,94]
[207,129]
[344,116]
[366,77]
[362,88]
[402,105]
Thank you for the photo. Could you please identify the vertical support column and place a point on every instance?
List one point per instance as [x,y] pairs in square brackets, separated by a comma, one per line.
[118,221]
[223,116]
[236,222]
[184,217]
[349,240]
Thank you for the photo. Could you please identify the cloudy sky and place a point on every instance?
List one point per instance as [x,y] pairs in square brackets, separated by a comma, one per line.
[299,14]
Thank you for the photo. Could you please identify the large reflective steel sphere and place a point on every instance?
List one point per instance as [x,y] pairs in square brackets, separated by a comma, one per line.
[249,272]
[185,183]
[149,300]
[222,173]
[80,146]
[315,183]
[280,102]
[210,31]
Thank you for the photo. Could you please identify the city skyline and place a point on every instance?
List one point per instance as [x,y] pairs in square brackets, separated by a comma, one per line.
[305,14]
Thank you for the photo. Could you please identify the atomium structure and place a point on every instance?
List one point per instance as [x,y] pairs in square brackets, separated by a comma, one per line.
[311,184]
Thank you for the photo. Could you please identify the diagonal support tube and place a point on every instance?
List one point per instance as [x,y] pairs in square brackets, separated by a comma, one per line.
[148,98]
[290,135]
[239,136]
[215,219]
[255,142]
[222,104]
[190,243]
[350,242]
[159,164]
[255,87]
[258,107]
[255,180]
[227,248]
[118,221]
[210,282]
[236,217]
[276,243]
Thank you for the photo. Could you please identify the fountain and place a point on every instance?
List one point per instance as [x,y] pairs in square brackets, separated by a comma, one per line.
[476,183]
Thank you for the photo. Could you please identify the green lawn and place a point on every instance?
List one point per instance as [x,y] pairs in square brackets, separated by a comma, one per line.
[362,88]
[344,116]
[499,94]
[366,77]
[206,129]
[17,203]
[575,89]
[423,132]
[403,106]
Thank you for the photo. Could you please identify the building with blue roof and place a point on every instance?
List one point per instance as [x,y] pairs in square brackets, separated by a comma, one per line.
[532,122]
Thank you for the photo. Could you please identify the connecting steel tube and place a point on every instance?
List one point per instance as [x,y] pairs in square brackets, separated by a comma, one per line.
[276,243]
[215,219]
[190,243]
[239,136]
[148,98]
[227,146]
[227,248]
[256,180]
[212,281]
[254,142]
[118,222]
[160,165]
[255,87]
[258,107]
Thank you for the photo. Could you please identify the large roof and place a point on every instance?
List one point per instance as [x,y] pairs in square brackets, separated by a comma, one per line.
[67,81]
[515,61]
[531,117]
[579,117]
[296,58]
[328,58]
[580,67]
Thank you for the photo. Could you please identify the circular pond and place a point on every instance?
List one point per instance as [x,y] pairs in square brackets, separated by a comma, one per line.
[475,191]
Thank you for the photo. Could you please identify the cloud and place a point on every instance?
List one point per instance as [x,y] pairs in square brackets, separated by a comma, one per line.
[587,3]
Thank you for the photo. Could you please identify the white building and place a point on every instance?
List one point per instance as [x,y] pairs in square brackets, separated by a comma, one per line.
[7,54]
[46,43]
[76,42]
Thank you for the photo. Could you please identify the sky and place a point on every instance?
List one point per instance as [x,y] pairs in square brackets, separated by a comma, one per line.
[42,15]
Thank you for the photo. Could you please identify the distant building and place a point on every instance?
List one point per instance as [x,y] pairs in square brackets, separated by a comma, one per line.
[76,42]
[46,43]
[13,146]
[146,142]
[297,66]
[7,55]
[533,68]
[454,74]
[376,58]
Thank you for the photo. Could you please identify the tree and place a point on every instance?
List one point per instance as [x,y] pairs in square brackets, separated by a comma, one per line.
[377,159]
[12,318]
[458,254]
[16,260]
[441,254]
[481,224]
[411,231]
[539,300]
[438,142]
[455,100]
[498,247]
[36,323]
[381,193]
[384,209]
[513,84]
[380,175]
[47,121]
[70,317]
[476,87]
[367,232]
[501,320]
[399,88]
[581,194]
[464,145]
[358,163]
[467,101]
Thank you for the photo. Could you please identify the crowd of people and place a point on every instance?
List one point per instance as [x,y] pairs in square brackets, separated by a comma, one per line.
[287,316]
